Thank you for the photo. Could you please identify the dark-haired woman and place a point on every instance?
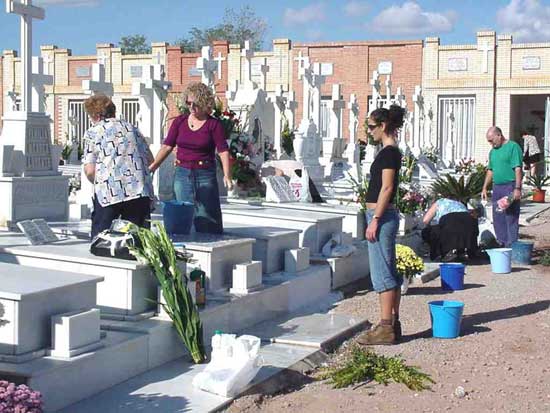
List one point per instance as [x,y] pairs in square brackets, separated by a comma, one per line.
[383,223]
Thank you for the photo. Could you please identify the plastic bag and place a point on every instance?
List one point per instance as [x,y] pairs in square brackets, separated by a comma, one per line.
[235,362]
[339,245]
[300,186]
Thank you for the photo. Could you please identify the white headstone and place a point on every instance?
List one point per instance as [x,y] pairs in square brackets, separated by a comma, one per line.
[278,190]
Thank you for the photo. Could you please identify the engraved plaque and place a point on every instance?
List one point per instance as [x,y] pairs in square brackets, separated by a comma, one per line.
[385,68]
[326,69]
[194,72]
[45,230]
[457,64]
[256,69]
[83,71]
[530,63]
[136,71]
[31,231]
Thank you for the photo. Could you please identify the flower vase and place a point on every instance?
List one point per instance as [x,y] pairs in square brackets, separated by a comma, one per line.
[406,223]
[405,285]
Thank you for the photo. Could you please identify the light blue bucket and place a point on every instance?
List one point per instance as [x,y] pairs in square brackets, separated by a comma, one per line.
[501,260]
[446,318]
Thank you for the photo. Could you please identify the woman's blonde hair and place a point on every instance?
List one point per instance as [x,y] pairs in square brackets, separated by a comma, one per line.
[204,97]
[100,106]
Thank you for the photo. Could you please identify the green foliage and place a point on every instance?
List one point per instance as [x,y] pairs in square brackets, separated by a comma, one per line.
[363,365]
[244,173]
[66,152]
[287,138]
[236,27]
[545,259]
[360,189]
[408,163]
[461,189]
[134,44]
[158,251]
[538,181]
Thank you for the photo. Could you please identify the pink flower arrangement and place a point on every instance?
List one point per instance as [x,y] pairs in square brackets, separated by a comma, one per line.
[410,201]
[19,399]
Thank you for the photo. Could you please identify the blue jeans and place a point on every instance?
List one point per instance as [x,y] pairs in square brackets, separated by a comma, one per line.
[382,260]
[506,223]
[199,187]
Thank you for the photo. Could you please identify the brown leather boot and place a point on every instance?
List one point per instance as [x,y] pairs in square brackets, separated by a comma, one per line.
[380,334]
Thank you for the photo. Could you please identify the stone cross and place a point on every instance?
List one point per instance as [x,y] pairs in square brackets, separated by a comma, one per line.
[12,95]
[158,58]
[388,92]
[317,81]
[375,83]
[428,119]
[400,99]
[207,66]
[264,68]
[291,105]
[279,103]
[102,59]
[353,107]
[485,49]
[27,12]
[232,90]
[39,80]
[47,60]
[97,84]
[247,53]
[306,73]
[143,89]
[333,143]
[301,60]
[219,59]
[73,122]
[418,127]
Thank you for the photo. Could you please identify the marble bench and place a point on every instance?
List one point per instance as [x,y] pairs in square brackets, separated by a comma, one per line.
[29,297]
[316,227]
[127,284]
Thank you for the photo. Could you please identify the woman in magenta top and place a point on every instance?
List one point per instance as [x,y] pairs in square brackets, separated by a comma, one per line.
[197,137]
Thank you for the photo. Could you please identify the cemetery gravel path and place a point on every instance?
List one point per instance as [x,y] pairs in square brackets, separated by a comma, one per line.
[502,359]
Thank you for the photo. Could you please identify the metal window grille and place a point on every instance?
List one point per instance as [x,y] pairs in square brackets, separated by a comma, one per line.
[130,110]
[457,123]
[82,120]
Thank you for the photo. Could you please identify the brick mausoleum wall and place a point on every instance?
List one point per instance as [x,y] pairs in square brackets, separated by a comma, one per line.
[353,65]
[1,89]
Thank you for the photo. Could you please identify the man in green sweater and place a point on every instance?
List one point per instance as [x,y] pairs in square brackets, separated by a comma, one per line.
[504,170]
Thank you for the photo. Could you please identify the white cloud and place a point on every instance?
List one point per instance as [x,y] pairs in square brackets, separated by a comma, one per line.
[526,20]
[410,19]
[313,13]
[356,8]
[68,3]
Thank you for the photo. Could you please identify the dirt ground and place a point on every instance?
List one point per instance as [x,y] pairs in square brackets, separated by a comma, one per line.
[500,359]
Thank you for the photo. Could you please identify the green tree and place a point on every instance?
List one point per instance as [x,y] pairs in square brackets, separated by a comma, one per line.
[236,27]
[134,44]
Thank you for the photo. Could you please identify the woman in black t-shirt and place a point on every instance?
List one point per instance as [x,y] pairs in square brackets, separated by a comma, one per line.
[383,223]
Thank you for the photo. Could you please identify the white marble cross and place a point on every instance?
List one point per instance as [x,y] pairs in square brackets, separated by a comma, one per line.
[353,107]
[27,12]
[264,68]
[47,60]
[301,60]
[388,92]
[207,66]
[247,53]
[219,59]
[485,49]
[375,83]
[97,84]
[39,80]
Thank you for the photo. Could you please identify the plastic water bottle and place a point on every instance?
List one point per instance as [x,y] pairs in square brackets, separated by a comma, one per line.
[216,344]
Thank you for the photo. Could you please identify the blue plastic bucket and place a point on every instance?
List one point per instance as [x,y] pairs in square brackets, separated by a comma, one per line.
[452,276]
[177,217]
[501,260]
[522,251]
[446,317]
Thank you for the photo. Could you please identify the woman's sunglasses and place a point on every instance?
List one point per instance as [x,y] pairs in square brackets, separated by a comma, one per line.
[191,104]
[371,126]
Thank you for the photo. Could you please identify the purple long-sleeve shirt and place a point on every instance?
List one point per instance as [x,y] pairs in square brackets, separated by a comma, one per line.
[198,145]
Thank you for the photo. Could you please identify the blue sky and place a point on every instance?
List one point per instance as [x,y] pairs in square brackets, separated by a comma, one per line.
[80,24]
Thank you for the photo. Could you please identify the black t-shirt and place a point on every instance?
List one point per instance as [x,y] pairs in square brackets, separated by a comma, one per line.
[388,158]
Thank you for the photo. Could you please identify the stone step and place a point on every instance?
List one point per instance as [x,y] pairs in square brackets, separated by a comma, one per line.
[296,344]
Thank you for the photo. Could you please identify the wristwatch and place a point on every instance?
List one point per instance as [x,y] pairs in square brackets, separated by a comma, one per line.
[375,217]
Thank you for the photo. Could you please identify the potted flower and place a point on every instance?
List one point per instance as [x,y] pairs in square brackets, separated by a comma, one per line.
[360,188]
[538,182]
[408,201]
[409,264]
